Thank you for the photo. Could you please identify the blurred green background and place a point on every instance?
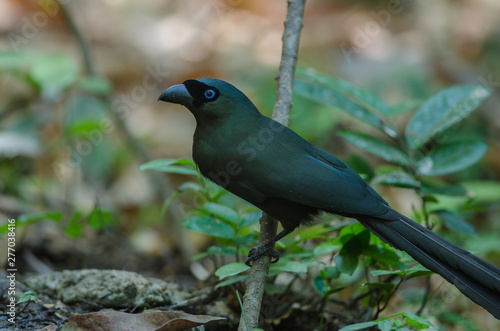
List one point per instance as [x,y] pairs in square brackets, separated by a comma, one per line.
[79,82]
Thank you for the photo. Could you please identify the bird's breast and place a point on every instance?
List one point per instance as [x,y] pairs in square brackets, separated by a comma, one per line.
[216,156]
[250,159]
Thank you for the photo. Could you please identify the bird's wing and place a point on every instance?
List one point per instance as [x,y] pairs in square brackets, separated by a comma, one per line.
[315,178]
[325,182]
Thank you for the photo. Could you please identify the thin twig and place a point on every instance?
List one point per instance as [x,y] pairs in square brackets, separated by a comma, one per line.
[82,42]
[427,295]
[256,283]
[361,296]
[158,181]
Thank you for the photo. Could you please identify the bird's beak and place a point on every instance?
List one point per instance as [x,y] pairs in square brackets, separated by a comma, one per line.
[176,94]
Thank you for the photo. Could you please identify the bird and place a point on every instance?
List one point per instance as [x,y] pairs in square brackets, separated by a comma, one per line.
[272,167]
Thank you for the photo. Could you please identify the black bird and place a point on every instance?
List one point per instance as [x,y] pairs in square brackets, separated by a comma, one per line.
[270,166]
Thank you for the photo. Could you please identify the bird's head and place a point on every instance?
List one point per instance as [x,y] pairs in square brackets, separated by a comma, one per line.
[209,98]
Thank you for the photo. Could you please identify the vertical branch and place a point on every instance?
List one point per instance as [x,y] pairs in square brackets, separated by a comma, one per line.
[289,55]
[256,283]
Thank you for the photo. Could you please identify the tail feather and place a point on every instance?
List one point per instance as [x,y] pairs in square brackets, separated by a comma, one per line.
[474,277]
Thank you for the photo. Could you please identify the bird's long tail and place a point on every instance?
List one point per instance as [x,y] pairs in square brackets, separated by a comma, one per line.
[474,277]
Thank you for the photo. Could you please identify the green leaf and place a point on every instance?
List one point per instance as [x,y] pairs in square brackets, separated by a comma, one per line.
[484,191]
[385,325]
[26,219]
[361,95]
[397,179]
[184,187]
[443,110]
[346,262]
[451,158]
[221,250]
[313,231]
[416,271]
[45,215]
[15,61]
[99,218]
[464,322]
[95,84]
[359,326]
[450,190]
[75,227]
[191,186]
[320,284]
[404,106]
[347,97]
[354,229]
[180,170]
[168,201]
[417,322]
[160,163]
[355,239]
[178,166]
[285,265]
[28,296]
[250,219]
[81,127]
[487,243]
[454,222]
[335,290]
[387,287]
[84,113]
[246,240]
[231,280]
[384,254]
[327,247]
[231,270]
[53,73]
[210,226]
[199,256]
[301,254]
[430,198]
[337,100]
[361,166]
[221,212]
[376,273]
[376,147]
[330,272]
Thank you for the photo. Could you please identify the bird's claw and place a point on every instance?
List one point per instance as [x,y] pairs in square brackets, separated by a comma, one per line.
[256,252]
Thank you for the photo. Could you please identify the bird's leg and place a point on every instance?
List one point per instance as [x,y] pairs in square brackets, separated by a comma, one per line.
[256,252]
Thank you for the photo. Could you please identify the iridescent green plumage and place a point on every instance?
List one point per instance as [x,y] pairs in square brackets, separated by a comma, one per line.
[273,168]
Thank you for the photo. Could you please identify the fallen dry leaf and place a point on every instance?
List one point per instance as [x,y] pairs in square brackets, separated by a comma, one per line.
[105,320]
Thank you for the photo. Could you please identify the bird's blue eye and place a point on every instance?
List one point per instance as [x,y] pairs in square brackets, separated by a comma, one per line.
[209,94]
